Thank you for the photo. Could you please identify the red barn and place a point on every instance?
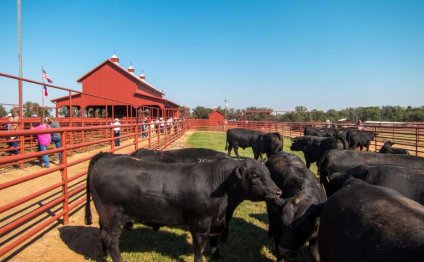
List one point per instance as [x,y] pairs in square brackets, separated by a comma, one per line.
[129,92]
[216,115]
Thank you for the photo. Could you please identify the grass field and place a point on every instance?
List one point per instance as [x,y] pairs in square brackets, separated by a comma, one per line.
[248,240]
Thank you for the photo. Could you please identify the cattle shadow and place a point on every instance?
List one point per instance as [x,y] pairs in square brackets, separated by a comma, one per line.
[86,241]
[246,243]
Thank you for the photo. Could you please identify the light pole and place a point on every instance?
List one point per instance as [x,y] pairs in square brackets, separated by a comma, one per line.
[225,108]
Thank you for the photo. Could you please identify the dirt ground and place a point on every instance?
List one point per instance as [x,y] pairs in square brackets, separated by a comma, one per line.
[68,243]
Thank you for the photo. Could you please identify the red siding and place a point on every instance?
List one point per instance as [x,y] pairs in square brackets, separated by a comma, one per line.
[216,116]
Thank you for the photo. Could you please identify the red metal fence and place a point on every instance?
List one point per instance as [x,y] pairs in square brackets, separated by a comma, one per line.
[51,194]
[409,135]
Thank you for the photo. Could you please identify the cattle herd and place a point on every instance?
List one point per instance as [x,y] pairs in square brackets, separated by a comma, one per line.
[365,206]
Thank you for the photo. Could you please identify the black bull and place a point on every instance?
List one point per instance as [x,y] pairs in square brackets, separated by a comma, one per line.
[185,155]
[268,143]
[170,194]
[342,160]
[362,222]
[407,181]
[301,192]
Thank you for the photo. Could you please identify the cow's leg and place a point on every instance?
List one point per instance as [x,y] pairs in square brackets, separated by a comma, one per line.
[104,248]
[236,151]
[313,249]
[200,232]
[214,236]
[308,161]
[230,147]
[256,154]
[111,231]
[232,205]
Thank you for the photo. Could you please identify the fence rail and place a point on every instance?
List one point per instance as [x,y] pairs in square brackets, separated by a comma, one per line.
[49,195]
[409,136]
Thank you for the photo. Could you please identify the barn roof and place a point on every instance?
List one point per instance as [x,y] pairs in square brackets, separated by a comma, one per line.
[216,110]
[121,70]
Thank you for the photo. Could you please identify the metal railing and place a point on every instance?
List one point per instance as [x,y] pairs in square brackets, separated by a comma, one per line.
[409,136]
[48,196]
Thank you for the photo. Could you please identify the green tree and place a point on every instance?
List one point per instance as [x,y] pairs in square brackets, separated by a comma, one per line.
[2,111]
[372,113]
[33,108]
[201,112]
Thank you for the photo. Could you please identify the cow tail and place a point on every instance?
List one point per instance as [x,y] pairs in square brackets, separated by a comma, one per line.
[88,217]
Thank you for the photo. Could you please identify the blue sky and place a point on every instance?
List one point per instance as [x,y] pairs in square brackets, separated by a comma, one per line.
[279,54]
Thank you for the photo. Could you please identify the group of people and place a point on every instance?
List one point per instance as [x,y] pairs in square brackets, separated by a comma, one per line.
[159,125]
[45,139]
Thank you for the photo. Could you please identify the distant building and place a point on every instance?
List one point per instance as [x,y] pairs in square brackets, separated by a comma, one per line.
[216,115]
[109,79]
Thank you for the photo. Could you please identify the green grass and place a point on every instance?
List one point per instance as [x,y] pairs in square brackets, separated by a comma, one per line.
[248,240]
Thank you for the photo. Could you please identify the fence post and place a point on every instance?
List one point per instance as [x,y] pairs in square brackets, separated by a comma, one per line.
[149,130]
[136,135]
[64,171]
[112,144]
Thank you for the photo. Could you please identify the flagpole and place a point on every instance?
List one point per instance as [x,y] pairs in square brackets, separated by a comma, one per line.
[21,116]
[42,91]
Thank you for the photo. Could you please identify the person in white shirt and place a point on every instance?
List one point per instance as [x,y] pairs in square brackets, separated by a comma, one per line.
[169,125]
[162,125]
[116,131]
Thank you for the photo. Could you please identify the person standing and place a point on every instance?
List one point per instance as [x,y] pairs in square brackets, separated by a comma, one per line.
[44,141]
[162,125]
[169,125]
[117,131]
[144,128]
[11,126]
[359,125]
[55,136]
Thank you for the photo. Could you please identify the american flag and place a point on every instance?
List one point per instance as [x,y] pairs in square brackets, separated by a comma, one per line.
[45,76]
[45,91]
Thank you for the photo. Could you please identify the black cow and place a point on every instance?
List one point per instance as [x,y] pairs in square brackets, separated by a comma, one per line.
[301,191]
[339,134]
[196,195]
[359,138]
[313,147]
[268,143]
[388,148]
[185,155]
[342,160]
[362,222]
[324,132]
[407,181]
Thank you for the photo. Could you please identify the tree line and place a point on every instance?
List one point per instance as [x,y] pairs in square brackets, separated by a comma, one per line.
[302,114]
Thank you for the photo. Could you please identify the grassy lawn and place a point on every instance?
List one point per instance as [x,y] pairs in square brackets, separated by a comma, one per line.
[248,240]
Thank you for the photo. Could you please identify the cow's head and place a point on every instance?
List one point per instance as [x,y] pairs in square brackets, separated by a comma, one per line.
[296,226]
[297,144]
[254,181]
[388,143]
